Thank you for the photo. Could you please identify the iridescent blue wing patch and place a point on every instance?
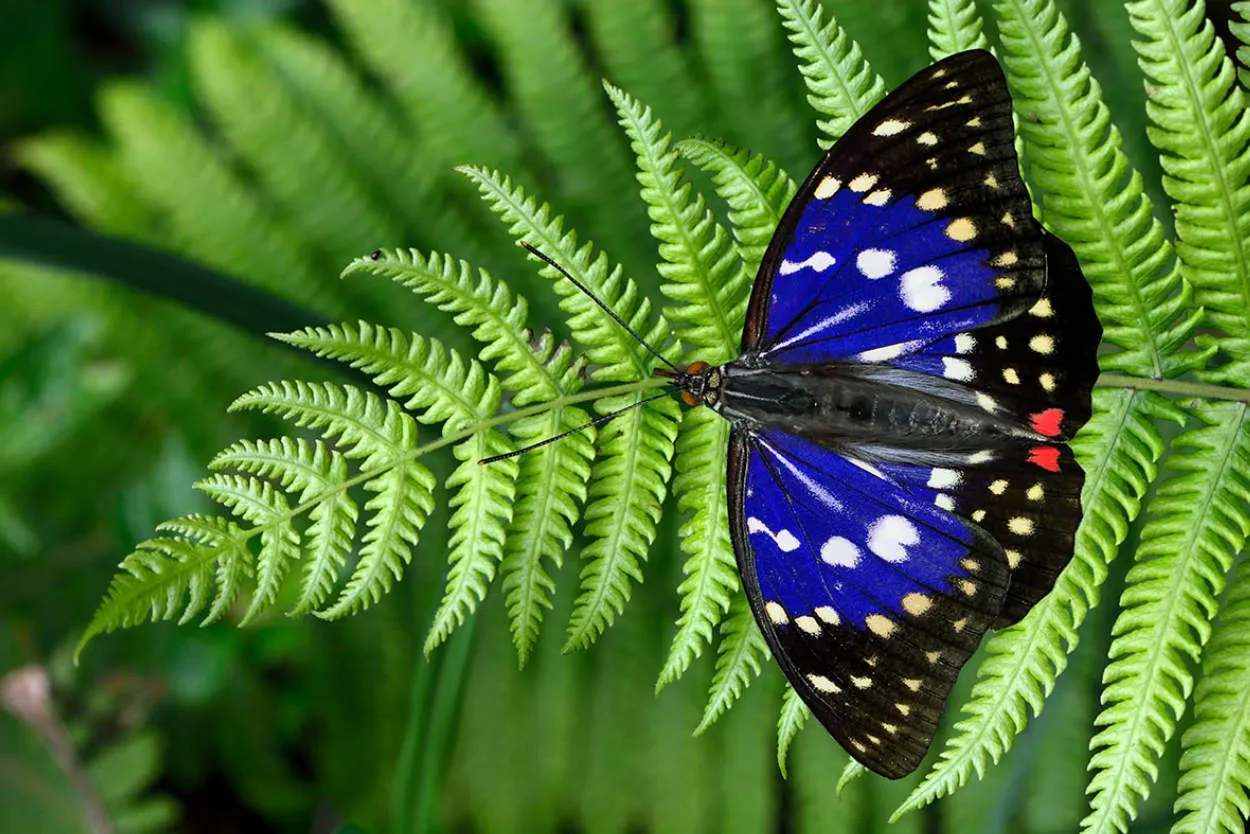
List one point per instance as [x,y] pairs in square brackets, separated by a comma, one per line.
[914,227]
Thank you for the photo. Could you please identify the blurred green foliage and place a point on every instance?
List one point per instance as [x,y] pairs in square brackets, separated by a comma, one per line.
[132,119]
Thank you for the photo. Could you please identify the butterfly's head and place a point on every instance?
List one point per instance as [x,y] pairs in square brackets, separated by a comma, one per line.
[699,383]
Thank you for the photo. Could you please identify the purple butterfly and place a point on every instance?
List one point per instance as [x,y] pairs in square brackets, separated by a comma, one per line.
[917,353]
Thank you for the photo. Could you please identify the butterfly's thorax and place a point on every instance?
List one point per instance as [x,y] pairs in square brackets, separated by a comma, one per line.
[842,404]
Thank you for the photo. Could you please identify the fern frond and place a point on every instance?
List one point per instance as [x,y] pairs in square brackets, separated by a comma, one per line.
[703,276]
[630,475]
[211,214]
[381,436]
[1119,449]
[1215,764]
[1090,195]
[756,190]
[1239,27]
[306,173]
[440,387]
[309,470]
[637,43]
[750,87]
[562,110]
[711,577]
[794,715]
[267,509]
[738,660]
[955,26]
[841,86]
[1166,610]
[605,343]
[412,47]
[627,490]
[167,578]
[1202,130]
[90,182]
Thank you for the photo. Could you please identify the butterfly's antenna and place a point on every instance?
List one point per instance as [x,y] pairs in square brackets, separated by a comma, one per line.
[586,291]
[602,418]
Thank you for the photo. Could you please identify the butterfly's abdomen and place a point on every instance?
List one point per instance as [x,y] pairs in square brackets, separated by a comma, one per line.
[836,407]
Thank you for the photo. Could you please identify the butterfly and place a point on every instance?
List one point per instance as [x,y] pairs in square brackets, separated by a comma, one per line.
[917,353]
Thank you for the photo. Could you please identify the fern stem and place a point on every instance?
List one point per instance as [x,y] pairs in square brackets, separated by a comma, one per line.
[1177,387]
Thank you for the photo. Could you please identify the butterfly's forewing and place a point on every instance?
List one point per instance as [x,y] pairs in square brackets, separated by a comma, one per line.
[912,246]
[914,226]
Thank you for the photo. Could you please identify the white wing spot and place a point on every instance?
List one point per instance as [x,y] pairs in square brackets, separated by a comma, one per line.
[861,683]
[944,501]
[869,468]
[876,263]
[827,188]
[783,538]
[957,369]
[822,684]
[848,312]
[881,354]
[808,624]
[965,342]
[921,289]
[987,402]
[819,262]
[927,138]
[891,127]
[776,613]
[840,552]
[983,456]
[890,536]
[941,478]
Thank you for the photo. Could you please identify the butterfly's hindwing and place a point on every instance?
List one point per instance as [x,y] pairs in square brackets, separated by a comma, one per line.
[871,597]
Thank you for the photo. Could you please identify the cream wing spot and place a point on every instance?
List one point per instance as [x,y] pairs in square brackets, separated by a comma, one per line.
[912,683]
[916,604]
[1014,557]
[878,198]
[861,682]
[1047,381]
[1010,375]
[776,613]
[862,183]
[1021,526]
[1042,309]
[932,200]
[828,615]
[904,709]
[891,127]
[978,149]
[827,187]
[998,487]
[1043,344]
[927,138]
[808,624]
[822,684]
[880,625]
[961,230]
[1035,493]
[1001,342]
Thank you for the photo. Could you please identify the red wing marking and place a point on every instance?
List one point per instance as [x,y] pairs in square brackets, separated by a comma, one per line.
[1047,422]
[1046,457]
